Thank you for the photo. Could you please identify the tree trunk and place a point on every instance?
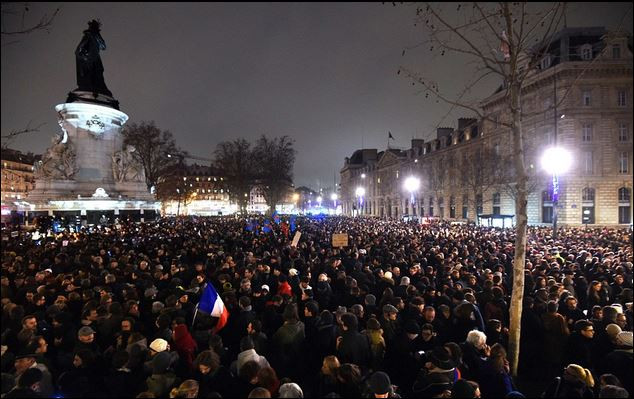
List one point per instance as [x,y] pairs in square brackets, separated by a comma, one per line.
[517,296]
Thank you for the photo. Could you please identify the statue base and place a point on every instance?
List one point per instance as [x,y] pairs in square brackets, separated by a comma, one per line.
[81,96]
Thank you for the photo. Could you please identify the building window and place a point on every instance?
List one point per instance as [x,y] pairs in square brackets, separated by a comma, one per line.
[547,207]
[587,98]
[624,132]
[624,162]
[589,167]
[587,208]
[465,206]
[441,207]
[616,51]
[545,63]
[479,204]
[452,207]
[621,99]
[586,52]
[431,206]
[625,205]
[586,132]
[496,203]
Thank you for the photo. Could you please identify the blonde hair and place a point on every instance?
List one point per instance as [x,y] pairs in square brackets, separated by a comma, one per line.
[185,389]
[332,364]
[581,374]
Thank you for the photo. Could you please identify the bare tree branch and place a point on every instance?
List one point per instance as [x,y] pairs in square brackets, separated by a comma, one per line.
[8,138]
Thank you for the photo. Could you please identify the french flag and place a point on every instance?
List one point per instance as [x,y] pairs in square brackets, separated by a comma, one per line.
[211,304]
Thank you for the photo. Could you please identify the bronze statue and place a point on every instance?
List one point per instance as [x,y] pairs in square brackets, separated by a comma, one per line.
[89,66]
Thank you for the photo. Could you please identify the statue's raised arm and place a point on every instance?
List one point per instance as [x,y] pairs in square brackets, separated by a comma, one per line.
[89,66]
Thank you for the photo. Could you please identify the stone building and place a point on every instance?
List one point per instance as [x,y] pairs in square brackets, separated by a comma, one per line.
[17,175]
[581,96]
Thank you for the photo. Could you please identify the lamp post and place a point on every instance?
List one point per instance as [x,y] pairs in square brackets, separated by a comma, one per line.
[360,192]
[556,161]
[412,184]
[334,197]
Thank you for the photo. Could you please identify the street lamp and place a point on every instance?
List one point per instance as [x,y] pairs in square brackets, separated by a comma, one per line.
[334,197]
[556,161]
[360,192]
[412,184]
[319,199]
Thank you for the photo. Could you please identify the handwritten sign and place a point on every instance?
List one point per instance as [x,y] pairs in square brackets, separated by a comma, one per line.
[340,240]
[296,239]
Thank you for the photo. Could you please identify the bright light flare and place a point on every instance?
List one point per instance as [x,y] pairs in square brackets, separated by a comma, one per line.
[360,192]
[411,184]
[556,160]
[334,196]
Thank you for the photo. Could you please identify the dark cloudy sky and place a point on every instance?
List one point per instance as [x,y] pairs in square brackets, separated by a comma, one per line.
[322,73]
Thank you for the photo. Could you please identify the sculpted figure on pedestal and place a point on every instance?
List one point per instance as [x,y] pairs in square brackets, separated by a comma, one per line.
[58,162]
[125,167]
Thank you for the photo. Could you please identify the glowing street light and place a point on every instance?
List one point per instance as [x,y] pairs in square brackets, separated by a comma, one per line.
[319,199]
[360,192]
[334,197]
[556,161]
[412,185]
[363,175]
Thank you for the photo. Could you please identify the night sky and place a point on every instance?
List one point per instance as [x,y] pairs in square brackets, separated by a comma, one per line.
[324,74]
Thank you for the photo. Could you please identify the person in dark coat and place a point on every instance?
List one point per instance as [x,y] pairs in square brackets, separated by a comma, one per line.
[580,343]
[495,380]
[619,362]
[438,375]
[352,346]
[27,386]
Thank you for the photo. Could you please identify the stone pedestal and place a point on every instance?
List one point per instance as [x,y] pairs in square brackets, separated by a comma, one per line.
[95,132]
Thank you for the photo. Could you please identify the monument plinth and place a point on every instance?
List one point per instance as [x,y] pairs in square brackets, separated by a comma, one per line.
[87,170]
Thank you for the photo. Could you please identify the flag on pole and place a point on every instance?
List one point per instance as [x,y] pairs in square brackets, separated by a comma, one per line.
[211,304]
[390,135]
[276,217]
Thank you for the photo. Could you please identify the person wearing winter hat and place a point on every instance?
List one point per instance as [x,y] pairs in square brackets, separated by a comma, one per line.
[380,386]
[159,345]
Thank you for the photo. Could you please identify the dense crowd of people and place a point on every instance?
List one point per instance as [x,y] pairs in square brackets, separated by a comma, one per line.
[405,310]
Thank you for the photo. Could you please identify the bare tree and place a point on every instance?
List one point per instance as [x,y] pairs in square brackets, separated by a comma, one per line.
[516,29]
[14,24]
[235,161]
[9,137]
[482,171]
[155,149]
[275,159]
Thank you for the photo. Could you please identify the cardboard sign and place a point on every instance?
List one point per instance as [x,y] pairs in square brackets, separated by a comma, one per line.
[296,239]
[15,234]
[64,243]
[340,240]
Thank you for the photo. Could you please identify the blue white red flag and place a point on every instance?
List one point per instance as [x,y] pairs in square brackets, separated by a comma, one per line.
[211,304]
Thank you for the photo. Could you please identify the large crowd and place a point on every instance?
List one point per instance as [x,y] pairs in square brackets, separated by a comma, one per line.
[405,310]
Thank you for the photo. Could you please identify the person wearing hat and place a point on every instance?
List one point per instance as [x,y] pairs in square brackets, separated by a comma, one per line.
[619,361]
[26,360]
[403,356]
[438,375]
[86,340]
[28,385]
[389,323]
[580,344]
[380,386]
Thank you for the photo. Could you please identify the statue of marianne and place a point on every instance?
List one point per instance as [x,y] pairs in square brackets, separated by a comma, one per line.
[89,66]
